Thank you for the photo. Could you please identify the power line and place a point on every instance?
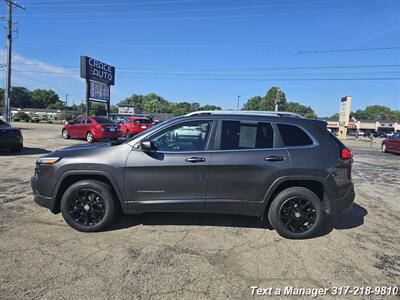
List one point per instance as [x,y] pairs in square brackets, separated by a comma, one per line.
[244,69]
[347,50]
[235,78]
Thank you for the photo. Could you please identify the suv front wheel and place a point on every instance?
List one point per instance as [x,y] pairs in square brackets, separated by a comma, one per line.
[88,205]
[296,213]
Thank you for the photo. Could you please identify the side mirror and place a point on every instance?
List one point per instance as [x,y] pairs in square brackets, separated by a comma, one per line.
[147,146]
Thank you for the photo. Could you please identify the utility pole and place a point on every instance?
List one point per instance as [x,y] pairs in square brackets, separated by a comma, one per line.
[66,106]
[278,98]
[7,102]
[238,102]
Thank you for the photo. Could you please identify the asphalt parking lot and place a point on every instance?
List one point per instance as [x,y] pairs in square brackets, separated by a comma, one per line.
[191,256]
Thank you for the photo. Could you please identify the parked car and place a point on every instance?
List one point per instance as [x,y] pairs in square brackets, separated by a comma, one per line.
[391,144]
[90,128]
[37,118]
[134,125]
[273,165]
[10,137]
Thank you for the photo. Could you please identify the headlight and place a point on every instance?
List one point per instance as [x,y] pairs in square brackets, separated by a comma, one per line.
[47,160]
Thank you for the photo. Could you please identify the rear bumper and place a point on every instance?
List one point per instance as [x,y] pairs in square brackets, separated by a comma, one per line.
[335,205]
[46,202]
[106,135]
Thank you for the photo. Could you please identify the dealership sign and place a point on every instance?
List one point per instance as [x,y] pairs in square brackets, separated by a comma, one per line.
[99,91]
[92,69]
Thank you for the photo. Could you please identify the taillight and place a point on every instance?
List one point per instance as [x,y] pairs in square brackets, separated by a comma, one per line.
[18,131]
[346,153]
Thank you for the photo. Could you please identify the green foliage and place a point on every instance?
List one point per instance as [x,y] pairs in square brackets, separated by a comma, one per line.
[20,97]
[268,103]
[253,103]
[156,104]
[298,108]
[39,98]
[21,116]
[44,98]
[376,112]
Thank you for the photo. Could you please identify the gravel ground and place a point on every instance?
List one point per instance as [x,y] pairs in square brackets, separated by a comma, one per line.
[191,256]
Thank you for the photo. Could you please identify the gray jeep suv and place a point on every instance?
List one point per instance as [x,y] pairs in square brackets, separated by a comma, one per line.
[289,169]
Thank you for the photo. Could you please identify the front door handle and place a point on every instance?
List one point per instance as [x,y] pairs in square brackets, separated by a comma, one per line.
[274,158]
[195,159]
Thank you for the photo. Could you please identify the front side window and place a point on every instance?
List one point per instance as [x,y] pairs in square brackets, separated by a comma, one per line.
[236,135]
[187,136]
[294,136]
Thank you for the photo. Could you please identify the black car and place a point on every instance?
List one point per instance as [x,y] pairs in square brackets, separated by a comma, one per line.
[276,165]
[10,138]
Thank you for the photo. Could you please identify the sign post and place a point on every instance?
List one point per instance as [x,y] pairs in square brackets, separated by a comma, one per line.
[99,77]
[344,116]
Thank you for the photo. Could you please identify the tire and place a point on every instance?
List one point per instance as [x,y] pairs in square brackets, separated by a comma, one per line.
[65,134]
[384,148]
[17,148]
[89,137]
[127,134]
[88,206]
[290,221]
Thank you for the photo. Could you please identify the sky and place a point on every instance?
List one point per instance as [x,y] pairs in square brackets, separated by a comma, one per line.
[212,51]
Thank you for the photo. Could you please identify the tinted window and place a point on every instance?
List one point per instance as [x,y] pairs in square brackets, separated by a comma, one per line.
[101,120]
[88,121]
[294,136]
[142,121]
[78,121]
[188,136]
[246,135]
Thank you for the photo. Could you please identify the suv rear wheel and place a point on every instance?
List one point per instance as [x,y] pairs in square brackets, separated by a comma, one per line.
[296,213]
[88,205]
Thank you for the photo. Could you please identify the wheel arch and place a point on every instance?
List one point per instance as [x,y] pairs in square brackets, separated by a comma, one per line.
[315,184]
[69,178]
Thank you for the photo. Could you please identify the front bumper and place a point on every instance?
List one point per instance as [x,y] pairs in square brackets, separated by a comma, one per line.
[46,202]
[335,205]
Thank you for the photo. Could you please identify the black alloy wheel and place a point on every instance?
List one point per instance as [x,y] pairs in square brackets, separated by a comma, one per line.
[86,207]
[297,214]
[89,205]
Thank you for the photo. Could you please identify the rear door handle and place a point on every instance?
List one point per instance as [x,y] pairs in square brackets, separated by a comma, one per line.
[274,158]
[195,159]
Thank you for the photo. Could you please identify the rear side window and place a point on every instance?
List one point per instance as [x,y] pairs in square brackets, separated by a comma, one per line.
[142,121]
[101,120]
[294,136]
[246,135]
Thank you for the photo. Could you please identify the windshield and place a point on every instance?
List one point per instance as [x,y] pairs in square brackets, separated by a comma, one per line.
[101,120]
[151,129]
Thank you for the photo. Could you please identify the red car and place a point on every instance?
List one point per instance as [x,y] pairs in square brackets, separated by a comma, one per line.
[133,125]
[90,128]
[392,144]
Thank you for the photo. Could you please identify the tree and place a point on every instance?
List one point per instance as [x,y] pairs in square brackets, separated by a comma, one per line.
[156,104]
[20,97]
[253,103]
[268,101]
[305,111]
[210,107]
[41,98]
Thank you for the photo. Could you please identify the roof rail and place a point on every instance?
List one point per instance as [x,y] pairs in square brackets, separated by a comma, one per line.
[245,112]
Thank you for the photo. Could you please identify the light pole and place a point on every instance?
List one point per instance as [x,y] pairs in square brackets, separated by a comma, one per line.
[278,98]
[238,102]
